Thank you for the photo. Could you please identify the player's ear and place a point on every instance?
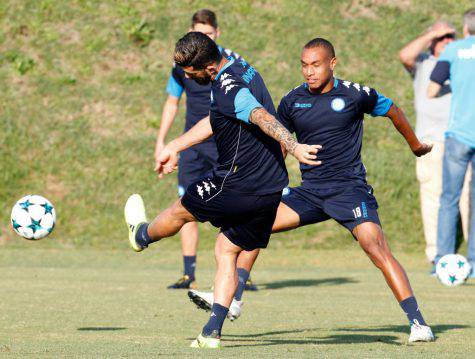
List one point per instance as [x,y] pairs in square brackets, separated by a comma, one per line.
[465,30]
[333,62]
[218,32]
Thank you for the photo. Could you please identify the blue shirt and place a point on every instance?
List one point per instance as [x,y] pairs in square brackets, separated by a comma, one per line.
[457,63]
[249,161]
[197,96]
[335,121]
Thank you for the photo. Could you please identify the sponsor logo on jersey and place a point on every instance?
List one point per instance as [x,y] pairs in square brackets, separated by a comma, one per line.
[249,74]
[227,82]
[338,104]
[302,105]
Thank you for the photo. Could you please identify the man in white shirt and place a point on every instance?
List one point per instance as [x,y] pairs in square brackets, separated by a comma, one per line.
[419,58]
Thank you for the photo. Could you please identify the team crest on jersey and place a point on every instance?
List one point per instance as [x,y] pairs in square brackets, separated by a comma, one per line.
[227,82]
[338,104]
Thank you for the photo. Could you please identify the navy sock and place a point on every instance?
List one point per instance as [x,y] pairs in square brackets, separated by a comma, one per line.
[243,275]
[410,307]
[189,263]
[216,320]
[142,236]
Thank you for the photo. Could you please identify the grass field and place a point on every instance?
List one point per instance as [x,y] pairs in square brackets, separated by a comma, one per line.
[87,303]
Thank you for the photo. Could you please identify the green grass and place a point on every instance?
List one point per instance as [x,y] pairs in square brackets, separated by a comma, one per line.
[90,303]
[83,86]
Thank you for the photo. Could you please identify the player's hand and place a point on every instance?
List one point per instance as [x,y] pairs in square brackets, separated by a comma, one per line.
[167,162]
[307,154]
[159,146]
[441,32]
[422,149]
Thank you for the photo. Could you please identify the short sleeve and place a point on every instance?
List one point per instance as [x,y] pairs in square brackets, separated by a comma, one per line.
[374,103]
[418,63]
[234,98]
[441,72]
[283,116]
[175,85]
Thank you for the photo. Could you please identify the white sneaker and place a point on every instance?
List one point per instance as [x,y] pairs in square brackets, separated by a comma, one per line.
[205,300]
[134,213]
[420,333]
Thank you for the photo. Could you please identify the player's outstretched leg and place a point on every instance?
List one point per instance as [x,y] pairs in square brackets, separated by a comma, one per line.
[371,239]
[225,283]
[166,224]
[204,300]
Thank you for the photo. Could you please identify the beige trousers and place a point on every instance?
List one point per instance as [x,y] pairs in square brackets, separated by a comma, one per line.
[429,175]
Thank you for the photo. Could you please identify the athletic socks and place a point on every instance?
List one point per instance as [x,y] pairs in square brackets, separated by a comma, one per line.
[216,320]
[243,276]
[142,237]
[189,263]
[410,307]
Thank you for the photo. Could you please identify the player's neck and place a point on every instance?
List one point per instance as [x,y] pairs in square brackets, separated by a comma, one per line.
[221,64]
[323,89]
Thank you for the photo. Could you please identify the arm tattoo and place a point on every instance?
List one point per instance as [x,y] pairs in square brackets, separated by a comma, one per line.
[273,128]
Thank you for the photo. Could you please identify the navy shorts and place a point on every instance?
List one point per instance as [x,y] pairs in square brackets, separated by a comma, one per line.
[349,205]
[194,163]
[245,219]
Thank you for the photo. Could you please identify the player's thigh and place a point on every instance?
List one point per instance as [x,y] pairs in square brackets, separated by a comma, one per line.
[224,247]
[178,211]
[353,205]
[285,219]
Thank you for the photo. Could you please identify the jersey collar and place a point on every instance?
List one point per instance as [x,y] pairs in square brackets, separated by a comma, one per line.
[336,82]
[230,62]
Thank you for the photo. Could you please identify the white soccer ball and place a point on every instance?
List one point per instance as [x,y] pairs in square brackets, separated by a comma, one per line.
[33,217]
[453,269]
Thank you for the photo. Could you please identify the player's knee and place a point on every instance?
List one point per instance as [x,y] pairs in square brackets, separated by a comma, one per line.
[376,251]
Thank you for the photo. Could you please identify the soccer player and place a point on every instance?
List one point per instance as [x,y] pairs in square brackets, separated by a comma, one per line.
[243,192]
[330,112]
[195,162]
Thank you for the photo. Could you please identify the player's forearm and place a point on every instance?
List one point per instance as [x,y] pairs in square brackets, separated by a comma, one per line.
[409,53]
[273,128]
[401,123]
[197,134]
[169,112]
[433,89]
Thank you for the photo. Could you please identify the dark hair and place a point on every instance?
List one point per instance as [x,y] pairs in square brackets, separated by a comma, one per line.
[206,17]
[320,42]
[197,50]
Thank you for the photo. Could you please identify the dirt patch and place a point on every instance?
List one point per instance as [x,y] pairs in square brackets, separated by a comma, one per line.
[368,8]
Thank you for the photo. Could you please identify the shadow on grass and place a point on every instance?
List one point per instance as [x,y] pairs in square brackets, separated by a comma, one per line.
[100,329]
[306,283]
[252,341]
[437,329]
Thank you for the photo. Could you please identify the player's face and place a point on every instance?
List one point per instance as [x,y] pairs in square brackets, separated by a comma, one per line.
[208,30]
[440,43]
[202,77]
[317,67]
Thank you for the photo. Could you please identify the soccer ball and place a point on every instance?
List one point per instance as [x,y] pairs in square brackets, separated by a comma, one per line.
[33,217]
[453,269]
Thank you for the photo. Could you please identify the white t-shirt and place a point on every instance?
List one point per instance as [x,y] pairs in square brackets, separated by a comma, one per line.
[432,115]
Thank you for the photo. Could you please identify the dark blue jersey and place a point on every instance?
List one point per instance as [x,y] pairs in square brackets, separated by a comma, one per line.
[197,96]
[335,121]
[249,160]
